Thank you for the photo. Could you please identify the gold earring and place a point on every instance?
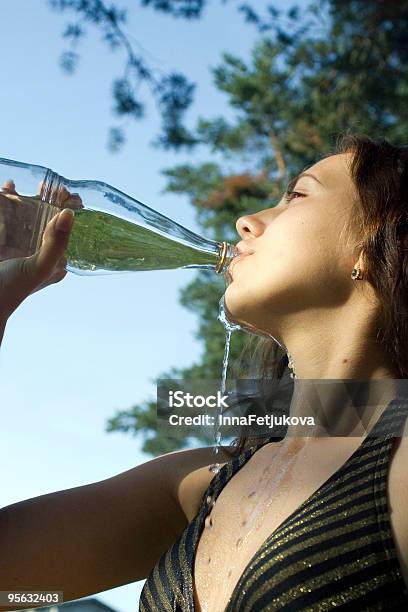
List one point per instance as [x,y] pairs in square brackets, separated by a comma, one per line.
[356,273]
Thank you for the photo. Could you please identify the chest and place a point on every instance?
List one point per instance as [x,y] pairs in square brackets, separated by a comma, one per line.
[262,495]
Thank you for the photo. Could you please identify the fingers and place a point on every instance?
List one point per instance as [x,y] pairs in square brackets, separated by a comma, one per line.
[63,198]
[9,187]
[42,264]
[71,200]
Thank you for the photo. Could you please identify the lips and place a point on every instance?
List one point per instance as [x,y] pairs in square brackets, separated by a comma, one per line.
[239,257]
[242,253]
[243,249]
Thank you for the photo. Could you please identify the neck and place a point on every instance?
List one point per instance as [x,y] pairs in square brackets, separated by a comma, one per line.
[343,375]
[340,408]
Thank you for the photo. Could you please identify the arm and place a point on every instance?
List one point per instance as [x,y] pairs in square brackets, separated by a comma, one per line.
[102,535]
[91,538]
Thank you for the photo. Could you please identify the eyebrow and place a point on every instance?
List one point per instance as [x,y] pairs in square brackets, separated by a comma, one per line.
[293,182]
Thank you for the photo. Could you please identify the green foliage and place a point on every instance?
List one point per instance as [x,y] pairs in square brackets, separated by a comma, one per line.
[341,66]
[334,52]
[172,93]
[188,9]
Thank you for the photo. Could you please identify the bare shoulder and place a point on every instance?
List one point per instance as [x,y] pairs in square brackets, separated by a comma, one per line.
[398,499]
[192,477]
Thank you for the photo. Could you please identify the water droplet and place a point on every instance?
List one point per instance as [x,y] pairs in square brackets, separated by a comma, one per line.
[209,559]
[215,468]
[239,542]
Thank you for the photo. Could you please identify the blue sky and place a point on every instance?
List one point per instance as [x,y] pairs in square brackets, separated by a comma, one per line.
[78,351]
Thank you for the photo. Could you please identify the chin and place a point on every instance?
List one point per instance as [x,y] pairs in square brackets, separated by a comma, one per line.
[238,308]
[251,314]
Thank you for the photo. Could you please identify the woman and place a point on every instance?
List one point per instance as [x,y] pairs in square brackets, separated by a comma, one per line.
[303,523]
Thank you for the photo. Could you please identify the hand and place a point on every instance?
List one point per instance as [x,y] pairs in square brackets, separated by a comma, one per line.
[22,275]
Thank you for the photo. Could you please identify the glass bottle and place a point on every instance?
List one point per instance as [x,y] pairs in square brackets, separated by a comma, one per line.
[112,232]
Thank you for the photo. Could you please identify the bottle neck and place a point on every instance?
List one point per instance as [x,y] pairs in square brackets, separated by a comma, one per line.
[226,253]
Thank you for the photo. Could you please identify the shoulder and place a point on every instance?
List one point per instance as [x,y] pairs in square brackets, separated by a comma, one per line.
[191,476]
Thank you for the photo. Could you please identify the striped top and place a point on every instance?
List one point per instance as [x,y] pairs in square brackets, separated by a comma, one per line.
[336,550]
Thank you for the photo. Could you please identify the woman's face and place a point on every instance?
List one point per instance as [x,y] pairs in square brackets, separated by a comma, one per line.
[297,257]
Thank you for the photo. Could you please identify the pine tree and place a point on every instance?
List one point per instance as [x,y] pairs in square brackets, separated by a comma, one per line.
[342,66]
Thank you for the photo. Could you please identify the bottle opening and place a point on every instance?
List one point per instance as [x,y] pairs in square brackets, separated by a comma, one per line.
[227,252]
[222,257]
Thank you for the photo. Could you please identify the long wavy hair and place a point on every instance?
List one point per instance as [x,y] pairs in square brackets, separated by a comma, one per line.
[379,171]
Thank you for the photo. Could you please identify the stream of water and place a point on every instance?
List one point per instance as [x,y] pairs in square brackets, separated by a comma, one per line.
[229,327]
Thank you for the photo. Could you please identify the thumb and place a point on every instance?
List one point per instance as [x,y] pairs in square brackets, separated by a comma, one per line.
[54,242]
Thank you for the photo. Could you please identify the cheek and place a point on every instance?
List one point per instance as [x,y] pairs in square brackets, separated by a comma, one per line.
[297,263]
[304,242]
[294,246]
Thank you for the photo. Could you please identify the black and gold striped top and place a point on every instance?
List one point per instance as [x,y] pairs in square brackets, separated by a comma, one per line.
[335,551]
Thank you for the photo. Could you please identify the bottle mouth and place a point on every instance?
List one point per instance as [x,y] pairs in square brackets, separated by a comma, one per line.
[227,252]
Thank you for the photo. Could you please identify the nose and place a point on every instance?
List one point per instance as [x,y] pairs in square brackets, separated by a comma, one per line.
[250,226]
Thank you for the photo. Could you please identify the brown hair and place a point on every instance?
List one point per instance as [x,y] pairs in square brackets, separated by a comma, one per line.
[380,173]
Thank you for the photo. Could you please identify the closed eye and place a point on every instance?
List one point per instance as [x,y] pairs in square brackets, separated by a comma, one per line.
[292,195]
